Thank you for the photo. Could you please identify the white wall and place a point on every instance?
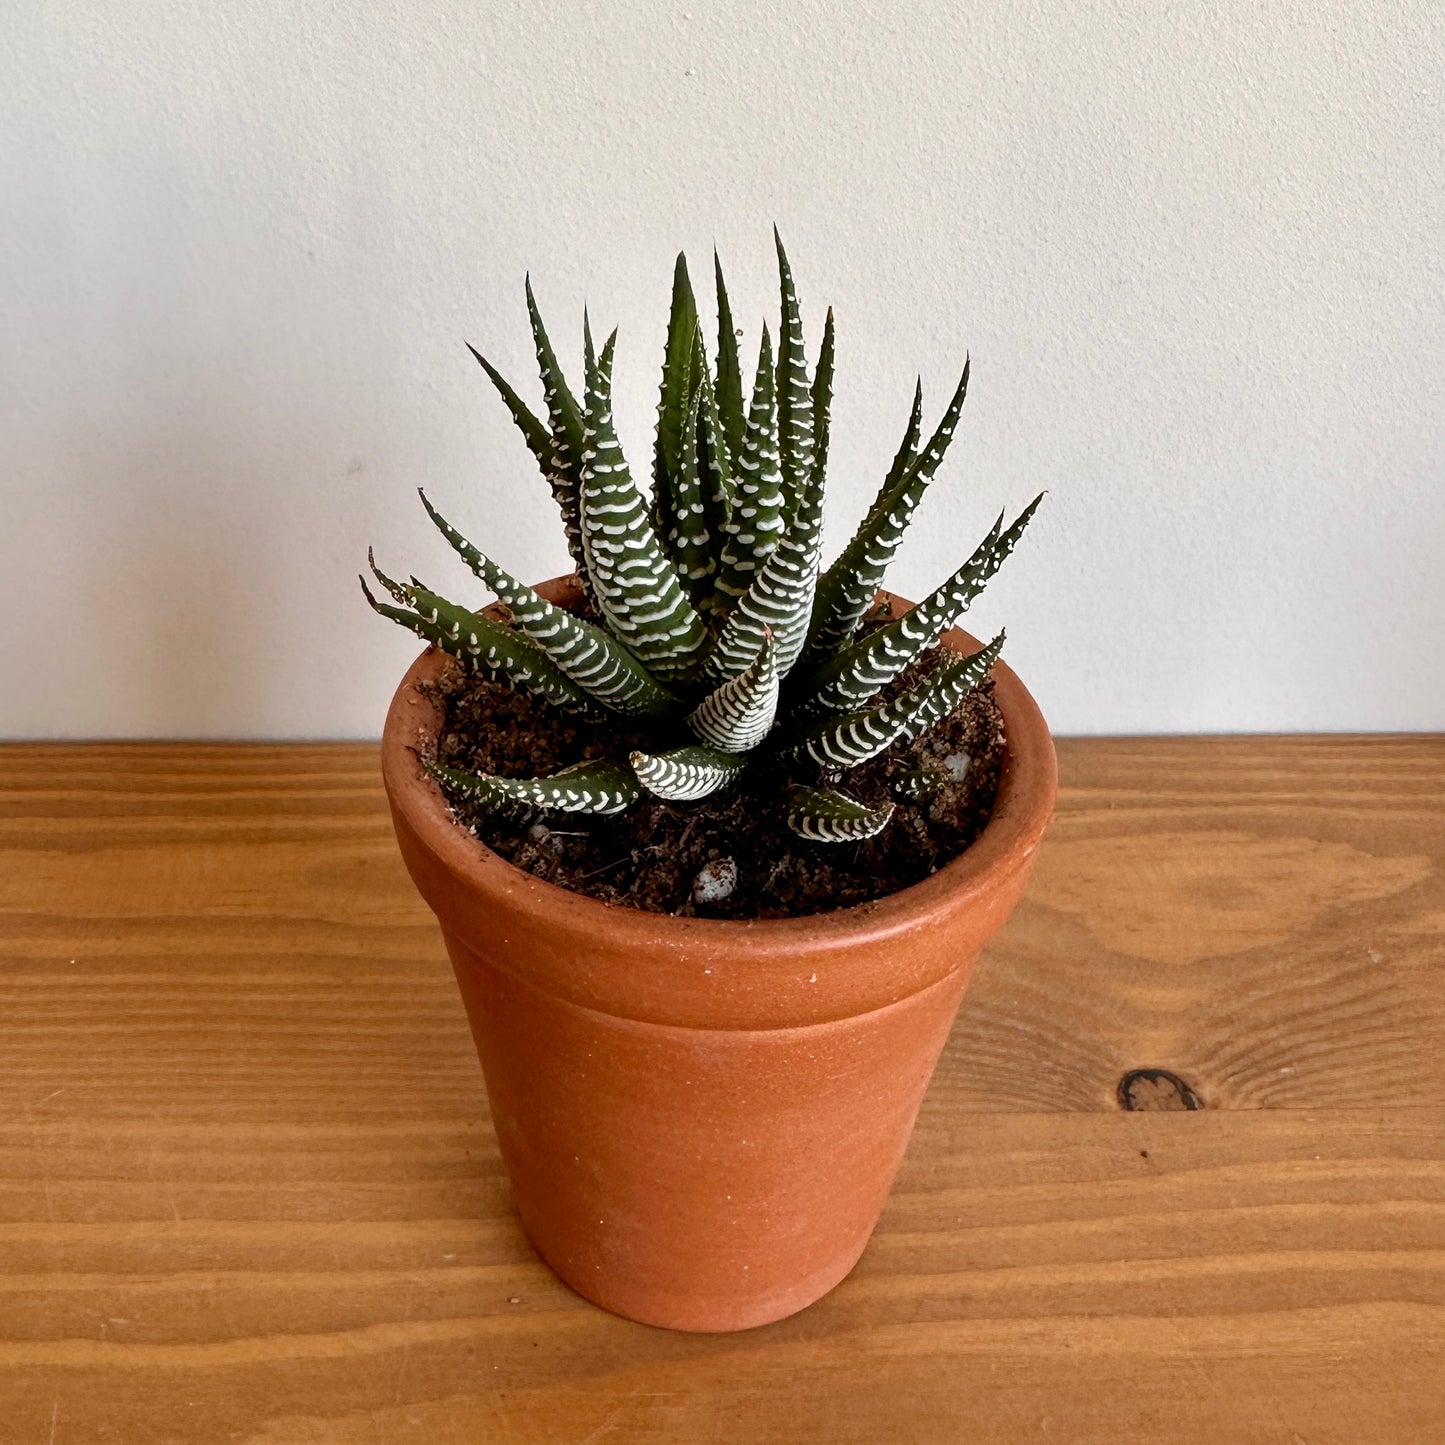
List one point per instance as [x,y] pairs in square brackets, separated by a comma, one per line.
[1195,253]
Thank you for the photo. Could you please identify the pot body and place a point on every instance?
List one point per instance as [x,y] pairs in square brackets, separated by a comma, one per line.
[701,1118]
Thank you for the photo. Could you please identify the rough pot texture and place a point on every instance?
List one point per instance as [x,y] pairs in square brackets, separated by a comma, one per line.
[702,1118]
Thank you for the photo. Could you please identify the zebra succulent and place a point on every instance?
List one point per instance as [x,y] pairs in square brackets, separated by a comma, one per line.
[716,631]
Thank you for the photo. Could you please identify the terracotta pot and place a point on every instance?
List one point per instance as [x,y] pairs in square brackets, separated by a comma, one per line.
[702,1118]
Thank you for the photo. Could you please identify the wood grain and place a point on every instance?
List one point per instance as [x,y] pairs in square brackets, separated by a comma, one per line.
[249,1191]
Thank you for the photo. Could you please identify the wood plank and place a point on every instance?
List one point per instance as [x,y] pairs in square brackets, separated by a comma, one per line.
[249,1191]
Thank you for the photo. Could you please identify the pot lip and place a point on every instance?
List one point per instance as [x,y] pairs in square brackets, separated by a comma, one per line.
[1021,812]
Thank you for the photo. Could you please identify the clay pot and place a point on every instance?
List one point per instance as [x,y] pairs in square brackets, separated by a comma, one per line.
[702,1118]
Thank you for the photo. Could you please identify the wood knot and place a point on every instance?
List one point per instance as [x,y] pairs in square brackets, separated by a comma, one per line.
[1147,1089]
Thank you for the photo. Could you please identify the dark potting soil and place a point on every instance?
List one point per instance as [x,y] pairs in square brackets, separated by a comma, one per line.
[650,856]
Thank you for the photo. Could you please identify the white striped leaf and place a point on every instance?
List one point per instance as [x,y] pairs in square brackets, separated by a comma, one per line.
[479,643]
[542,443]
[685,774]
[715,478]
[942,690]
[688,538]
[595,661]
[795,401]
[565,416]
[907,451]
[847,741]
[675,434]
[729,369]
[871,663]
[822,398]
[919,783]
[737,715]
[848,587]
[780,599]
[639,594]
[602,787]
[755,520]
[824,816]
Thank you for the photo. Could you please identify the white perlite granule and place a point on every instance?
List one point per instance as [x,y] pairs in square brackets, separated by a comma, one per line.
[715,881]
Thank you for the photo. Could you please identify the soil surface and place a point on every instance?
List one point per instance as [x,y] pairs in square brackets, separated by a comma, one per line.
[651,856]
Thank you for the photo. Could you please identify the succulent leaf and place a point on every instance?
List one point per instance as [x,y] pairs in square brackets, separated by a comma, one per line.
[595,661]
[638,591]
[715,468]
[479,643]
[919,783]
[688,538]
[538,437]
[565,416]
[857,673]
[755,520]
[943,689]
[847,741]
[907,451]
[795,401]
[589,361]
[684,774]
[729,369]
[780,599]
[737,715]
[823,815]
[850,584]
[541,442]
[822,398]
[679,381]
[603,787]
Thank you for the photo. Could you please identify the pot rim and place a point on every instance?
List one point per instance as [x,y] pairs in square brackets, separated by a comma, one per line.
[1021,812]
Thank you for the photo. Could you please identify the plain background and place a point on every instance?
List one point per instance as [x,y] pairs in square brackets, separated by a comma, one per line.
[1195,253]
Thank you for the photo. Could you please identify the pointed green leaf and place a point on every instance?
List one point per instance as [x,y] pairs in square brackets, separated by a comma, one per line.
[602,787]
[689,543]
[755,521]
[848,587]
[847,741]
[539,439]
[479,643]
[639,594]
[825,816]
[679,381]
[565,416]
[562,407]
[737,715]
[919,783]
[823,397]
[907,451]
[542,444]
[780,598]
[795,400]
[857,674]
[715,469]
[729,369]
[685,774]
[942,690]
[595,661]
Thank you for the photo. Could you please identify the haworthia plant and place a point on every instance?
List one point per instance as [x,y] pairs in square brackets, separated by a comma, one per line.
[715,633]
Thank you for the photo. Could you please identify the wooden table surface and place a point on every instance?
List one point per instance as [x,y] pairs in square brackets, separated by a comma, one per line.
[249,1190]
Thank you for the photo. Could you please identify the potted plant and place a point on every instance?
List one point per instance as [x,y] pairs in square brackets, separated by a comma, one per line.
[704,1074]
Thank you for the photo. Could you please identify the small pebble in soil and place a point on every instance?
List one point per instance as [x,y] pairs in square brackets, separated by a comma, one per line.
[715,881]
[956,765]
